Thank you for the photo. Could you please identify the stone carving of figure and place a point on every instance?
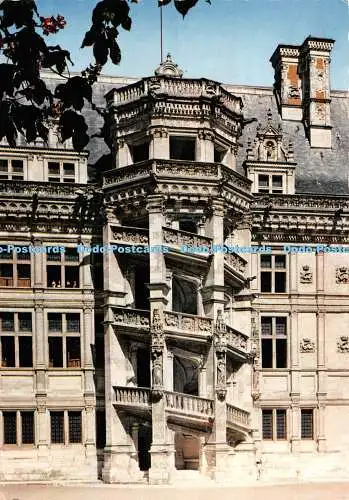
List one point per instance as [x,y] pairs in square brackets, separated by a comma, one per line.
[221,371]
[157,370]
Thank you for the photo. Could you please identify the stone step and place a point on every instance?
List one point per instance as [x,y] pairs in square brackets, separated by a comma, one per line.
[186,477]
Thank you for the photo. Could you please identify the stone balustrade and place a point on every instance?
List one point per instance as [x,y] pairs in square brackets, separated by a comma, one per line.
[188,323]
[189,404]
[237,416]
[133,235]
[175,237]
[131,317]
[132,395]
[236,339]
[24,189]
[236,262]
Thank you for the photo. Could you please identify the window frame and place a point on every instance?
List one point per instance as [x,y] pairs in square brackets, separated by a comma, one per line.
[270,186]
[61,177]
[66,428]
[14,259]
[16,333]
[19,428]
[312,412]
[11,174]
[274,337]
[273,270]
[59,260]
[65,334]
[274,424]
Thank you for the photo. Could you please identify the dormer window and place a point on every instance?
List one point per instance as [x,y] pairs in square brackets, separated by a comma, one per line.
[182,148]
[61,171]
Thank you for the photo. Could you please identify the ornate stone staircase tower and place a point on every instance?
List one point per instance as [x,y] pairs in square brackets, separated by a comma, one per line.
[177,308]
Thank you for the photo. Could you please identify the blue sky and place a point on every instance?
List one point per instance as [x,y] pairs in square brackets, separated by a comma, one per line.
[230,41]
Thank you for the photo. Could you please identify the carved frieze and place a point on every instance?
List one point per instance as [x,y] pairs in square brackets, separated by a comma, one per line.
[306,275]
[307,345]
[220,343]
[343,344]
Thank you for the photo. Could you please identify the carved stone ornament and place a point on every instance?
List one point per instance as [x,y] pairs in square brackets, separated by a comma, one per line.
[221,347]
[343,344]
[306,275]
[342,275]
[307,345]
[157,350]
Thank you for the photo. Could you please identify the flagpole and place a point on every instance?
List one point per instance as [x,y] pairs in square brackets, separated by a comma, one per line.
[161,44]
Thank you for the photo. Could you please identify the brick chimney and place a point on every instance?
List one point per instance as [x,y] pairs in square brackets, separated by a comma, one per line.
[302,87]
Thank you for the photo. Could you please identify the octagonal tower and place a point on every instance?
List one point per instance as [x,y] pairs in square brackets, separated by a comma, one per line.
[177,304]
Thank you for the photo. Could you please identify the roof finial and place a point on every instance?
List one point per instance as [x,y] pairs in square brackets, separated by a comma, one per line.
[169,68]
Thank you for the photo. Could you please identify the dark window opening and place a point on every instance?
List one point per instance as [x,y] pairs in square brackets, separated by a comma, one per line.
[267,353]
[307,424]
[54,322]
[53,168]
[54,276]
[281,428]
[24,275]
[280,282]
[72,279]
[280,261]
[263,181]
[184,296]
[7,322]
[25,346]
[71,255]
[55,347]
[281,353]
[5,253]
[100,429]
[144,444]
[10,427]
[182,148]
[266,324]
[266,261]
[8,358]
[187,225]
[143,368]
[265,281]
[57,427]
[267,424]
[6,275]
[73,352]
[218,155]
[17,166]
[73,322]
[28,430]
[75,435]
[69,169]
[25,322]
[141,289]
[99,352]
[140,152]
[3,165]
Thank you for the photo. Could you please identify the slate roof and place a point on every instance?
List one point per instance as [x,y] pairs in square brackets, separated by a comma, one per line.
[318,170]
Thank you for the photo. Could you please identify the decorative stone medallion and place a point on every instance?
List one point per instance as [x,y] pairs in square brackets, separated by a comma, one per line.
[343,344]
[306,275]
[342,275]
[307,345]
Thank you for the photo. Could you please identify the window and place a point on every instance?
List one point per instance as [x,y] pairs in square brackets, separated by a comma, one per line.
[64,340]
[16,343]
[63,269]
[21,434]
[61,171]
[187,225]
[273,273]
[11,169]
[100,428]
[307,424]
[182,148]
[140,152]
[66,427]
[15,271]
[270,183]
[274,424]
[274,342]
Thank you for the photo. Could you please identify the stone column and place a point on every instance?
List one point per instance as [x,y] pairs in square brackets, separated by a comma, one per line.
[159,144]
[38,260]
[295,382]
[205,146]
[113,277]
[89,389]
[123,155]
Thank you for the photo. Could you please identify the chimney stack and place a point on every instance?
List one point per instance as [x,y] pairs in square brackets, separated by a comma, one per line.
[302,87]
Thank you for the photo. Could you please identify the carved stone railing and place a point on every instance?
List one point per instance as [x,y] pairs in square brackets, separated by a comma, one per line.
[188,323]
[236,339]
[300,201]
[44,189]
[174,237]
[182,168]
[236,262]
[237,416]
[128,235]
[190,88]
[132,395]
[137,318]
[189,404]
